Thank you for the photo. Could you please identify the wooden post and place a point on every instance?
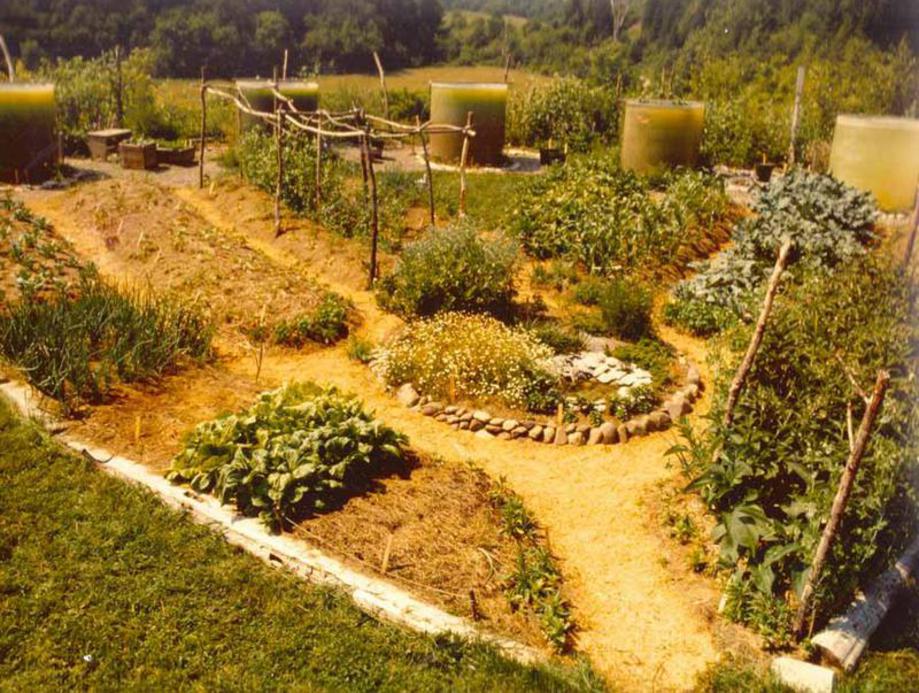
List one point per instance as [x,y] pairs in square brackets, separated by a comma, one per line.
[911,241]
[507,67]
[279,143]
[119,89]
[427,167]
[376,59]
[284,70]
[375,218]
[747,363]
[318,164]
[203,130]
[463,157]
[387,551]
[846,482]
[796,114]
[11,71]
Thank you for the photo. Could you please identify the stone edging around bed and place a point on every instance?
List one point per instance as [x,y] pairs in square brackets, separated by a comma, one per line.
[376,597]
[484,425]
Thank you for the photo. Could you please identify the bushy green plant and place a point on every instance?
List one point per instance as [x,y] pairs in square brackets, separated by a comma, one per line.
[326,323]
[566,112]
[360,349]
[652,355]
[470,356]
[609,220]
[827,221]
[560,339]
[773,482]
[625,307]
[639,400]
[296,451]
[76,345]
[452,269]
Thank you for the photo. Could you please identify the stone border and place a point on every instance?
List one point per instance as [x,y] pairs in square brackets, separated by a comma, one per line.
[484,425]
[378,598]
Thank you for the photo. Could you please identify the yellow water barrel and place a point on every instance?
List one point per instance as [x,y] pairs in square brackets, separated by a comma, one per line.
[450,102]
[880,155]
[27,141]
[657,135]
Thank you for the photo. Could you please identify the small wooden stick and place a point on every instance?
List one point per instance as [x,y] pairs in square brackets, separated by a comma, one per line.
[911,242]
[507,67]
[279,186]
[427,167]
[203,130]
[387,550]
[319,167]
[464,156]
[851,377]
[376,59]
[846,482]
[284,69]
[474,606]
[747,363]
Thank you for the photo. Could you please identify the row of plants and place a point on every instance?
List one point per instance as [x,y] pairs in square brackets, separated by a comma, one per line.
[827,221]
[611,221]
[770,478]
[298,450]
[534,583]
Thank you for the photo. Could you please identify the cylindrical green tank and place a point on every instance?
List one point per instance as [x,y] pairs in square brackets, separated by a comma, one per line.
[304,95]
[260,97]
[450,102]
[878,154]
[27,142]
[661,134]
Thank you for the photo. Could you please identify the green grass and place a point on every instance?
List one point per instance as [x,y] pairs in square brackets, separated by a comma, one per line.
[103,587]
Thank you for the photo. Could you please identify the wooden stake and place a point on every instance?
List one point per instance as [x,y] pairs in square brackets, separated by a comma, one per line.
[747,363]
[318,165]
[376,59]
[279,143]
[284,69]
[911,242]
[375,219]
[119,89]
[203,130]
[387,550]
[474,607]
[846,482]
[796,114]
[507,67]
[427,168]
[464,156]
[11,71]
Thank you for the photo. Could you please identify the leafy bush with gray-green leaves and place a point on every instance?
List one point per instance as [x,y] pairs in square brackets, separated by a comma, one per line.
[772,485]
[298,450]
[609,220]
[828,222]
[452,269]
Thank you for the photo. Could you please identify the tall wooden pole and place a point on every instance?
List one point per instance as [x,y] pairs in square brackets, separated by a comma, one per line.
[427,167]
[376,59]
[846,481]
[796,115]
[463,157]
[507,67]
[203,130]
[279,184]
[747,363]
[318,164]
[284,69]
[375,218]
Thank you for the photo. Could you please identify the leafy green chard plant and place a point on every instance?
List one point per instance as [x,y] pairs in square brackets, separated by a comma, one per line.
[828,221]
[776,470]
[535,581]
[297,451]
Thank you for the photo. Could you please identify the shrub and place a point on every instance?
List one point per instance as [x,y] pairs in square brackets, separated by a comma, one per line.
[76,345]
[452,269]
[828,222]
[326,323]
[296,451]
[591,212]
[454,355]
[652,355]
[360,349]
[566,112]
[625,308]
[773,483]
[560,339]
[639,400]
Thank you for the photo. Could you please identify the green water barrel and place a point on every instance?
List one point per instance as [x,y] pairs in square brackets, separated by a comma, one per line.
[259,95]
[27,141]
[450,102]
[304,95]
[878,154]
[657,135]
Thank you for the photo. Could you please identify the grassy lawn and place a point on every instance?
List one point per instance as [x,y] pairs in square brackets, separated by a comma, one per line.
[101,586]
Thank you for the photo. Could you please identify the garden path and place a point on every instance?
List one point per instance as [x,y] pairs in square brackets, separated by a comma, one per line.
[646,624]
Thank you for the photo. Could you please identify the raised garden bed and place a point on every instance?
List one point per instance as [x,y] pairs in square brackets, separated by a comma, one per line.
[138,155]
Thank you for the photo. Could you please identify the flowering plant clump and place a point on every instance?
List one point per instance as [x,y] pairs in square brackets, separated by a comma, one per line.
[457,355]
